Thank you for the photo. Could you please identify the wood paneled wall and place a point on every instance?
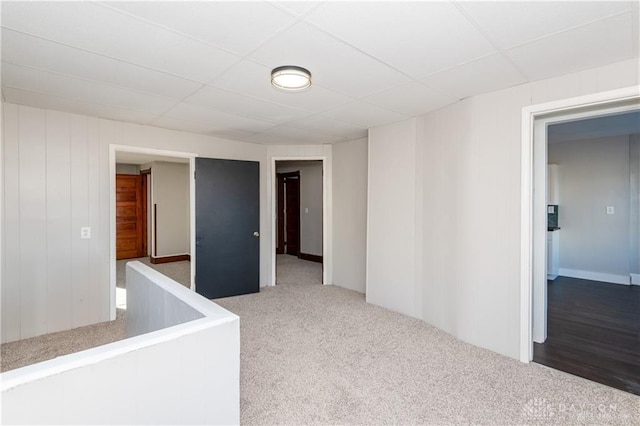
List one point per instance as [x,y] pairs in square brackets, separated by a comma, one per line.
[52,280]
[56,180]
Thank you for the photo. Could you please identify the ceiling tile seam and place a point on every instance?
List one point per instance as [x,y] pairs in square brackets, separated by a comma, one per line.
[416,79]
[164,27]
[275,123]
[197,122]
[93,52]
[297,128]
[321,114]
[100,83]
[294,14]
[477,26]
[320,132]
[74,99]
[572,28]
[282,104]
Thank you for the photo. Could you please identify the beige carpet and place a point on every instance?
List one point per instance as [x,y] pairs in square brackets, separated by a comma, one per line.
[291,270]
[41,348]
[321,355]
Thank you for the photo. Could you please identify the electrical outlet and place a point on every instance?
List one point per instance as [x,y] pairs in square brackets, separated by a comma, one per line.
[85,233]
[610,210]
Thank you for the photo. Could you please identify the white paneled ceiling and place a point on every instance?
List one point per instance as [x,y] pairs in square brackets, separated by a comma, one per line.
[204,67]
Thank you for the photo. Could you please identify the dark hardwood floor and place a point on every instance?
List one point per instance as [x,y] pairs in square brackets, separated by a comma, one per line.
[593,331]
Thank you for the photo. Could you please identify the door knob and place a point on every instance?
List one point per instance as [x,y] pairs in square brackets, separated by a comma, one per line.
[256,234]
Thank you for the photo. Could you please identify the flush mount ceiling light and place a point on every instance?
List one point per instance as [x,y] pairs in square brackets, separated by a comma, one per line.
[291,78]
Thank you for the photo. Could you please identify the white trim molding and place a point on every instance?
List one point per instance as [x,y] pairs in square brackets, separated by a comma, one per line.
[635,279]
[113,149]
[590,105]
[595,276]
[327,229]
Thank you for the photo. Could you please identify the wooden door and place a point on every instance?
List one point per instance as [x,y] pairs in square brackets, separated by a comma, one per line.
[130,217]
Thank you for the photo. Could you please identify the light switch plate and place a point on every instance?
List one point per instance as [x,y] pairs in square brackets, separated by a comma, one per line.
[85,233]
[610,210]
[551,209]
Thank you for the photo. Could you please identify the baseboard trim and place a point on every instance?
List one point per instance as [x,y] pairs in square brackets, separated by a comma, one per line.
[635,279]
[167,259]
[595,276]
[311,257]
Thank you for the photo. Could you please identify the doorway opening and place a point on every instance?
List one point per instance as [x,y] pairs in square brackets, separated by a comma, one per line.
[299,199]
[151,215]
[538,261]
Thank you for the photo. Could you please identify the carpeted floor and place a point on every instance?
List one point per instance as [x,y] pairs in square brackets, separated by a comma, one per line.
[41,348]
[291,270]
[321,355]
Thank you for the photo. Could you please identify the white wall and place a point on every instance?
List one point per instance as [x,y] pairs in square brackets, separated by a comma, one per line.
[170,195]
[186,373]
[127,169]
[310,203]
[634,211]
[467,214]
[391,221]
[350,214]
[56,180]
[593,174]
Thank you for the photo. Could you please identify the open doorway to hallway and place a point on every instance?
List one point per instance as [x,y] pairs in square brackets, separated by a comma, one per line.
[299,222]
[592,305]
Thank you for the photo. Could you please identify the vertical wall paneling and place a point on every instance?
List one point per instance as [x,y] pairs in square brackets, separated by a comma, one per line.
[79,217]
[11,225]
[110,133]
[33,221]
[59,233]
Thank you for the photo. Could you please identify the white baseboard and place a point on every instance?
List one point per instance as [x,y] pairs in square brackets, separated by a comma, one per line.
[595,276]
[635,279]
[552,276]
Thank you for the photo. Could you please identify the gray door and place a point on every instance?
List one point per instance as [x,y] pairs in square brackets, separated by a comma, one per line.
[227,227]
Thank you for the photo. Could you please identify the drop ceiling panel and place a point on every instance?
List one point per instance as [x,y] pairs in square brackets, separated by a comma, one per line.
[20,77]
[296,7]
[365,114]
[422,39]
[410,99]
[41,100]
[221,20]
[333,64]
[198,127]
[235,103]
[510,24]
[330,126]
[255,79]
[103,30]
[21,49]
[287,135]
[481,76]
[216,119]
[585,47]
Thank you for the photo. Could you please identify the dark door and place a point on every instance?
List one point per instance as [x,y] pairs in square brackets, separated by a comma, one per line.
[130,217]
[227,227]
[292,201]
[280,216]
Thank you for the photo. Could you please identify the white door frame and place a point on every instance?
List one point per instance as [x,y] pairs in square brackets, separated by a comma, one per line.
[533,173]
[326,226]
[113,149]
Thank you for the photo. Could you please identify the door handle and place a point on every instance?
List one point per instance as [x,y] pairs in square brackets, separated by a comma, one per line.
[256,234]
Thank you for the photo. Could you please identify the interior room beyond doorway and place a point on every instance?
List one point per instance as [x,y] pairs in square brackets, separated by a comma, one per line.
[299,221]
